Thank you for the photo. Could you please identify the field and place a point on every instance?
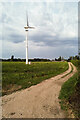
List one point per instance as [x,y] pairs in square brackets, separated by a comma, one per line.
[18,75]
[70,92]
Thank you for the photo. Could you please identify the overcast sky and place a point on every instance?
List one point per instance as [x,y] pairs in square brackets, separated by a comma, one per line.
[55,33]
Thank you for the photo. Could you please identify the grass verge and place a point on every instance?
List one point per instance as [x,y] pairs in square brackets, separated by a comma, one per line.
[70,92]
[68,88]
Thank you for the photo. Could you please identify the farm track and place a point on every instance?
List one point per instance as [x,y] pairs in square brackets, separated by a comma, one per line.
[39,101]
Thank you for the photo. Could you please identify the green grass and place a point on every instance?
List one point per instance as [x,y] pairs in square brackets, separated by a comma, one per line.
[67,90]
[70,92]
[68,87]
[18,75]
[75,62]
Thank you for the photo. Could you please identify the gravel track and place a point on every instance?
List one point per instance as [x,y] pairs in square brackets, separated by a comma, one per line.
[39,101]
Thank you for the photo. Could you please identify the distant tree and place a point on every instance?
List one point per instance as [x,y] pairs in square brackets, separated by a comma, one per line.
[71,57]
[76,57]
[59,59]
[79,55]
[55,59]
[12,57]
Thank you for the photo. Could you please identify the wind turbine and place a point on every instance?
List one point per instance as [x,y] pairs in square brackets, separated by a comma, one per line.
[27,27]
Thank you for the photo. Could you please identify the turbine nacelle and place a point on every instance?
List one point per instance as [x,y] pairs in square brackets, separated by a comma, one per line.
[27,27]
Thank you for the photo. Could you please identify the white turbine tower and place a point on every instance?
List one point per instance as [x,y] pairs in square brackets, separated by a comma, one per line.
[26,29]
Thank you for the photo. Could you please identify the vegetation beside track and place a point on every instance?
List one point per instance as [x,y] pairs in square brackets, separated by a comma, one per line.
[70,92]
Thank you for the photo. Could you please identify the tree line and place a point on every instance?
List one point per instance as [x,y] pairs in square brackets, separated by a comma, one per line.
[42,59]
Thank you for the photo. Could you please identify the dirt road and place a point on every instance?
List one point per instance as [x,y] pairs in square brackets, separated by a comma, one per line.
[39,101]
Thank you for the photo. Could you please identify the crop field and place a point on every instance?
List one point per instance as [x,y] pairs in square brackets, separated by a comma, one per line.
[18,75]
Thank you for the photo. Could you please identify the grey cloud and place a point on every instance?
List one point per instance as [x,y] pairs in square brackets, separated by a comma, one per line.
[16,38]
[6,18]
[47,40]
[2,19]
[54,40]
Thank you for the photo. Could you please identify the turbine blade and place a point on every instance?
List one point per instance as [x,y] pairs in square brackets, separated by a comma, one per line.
[27,21]
[32,27]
